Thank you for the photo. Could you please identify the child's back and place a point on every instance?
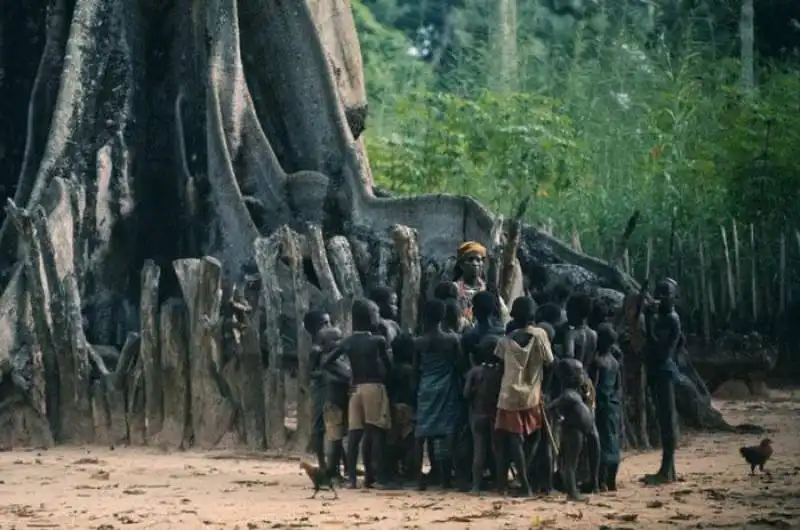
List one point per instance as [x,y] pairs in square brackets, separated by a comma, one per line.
[483,382]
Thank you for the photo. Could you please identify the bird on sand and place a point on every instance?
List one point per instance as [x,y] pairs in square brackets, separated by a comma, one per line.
[757,455]
[319,477]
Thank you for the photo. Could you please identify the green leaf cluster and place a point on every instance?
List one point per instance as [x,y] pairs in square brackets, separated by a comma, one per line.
[596,130]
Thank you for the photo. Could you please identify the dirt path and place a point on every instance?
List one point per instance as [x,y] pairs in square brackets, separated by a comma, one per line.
[95,488]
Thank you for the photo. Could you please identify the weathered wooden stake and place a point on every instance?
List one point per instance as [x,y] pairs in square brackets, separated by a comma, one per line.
[510,270]
[303,343]
[267,252]
[174,372]
[495,251]
[405,240]
[149,349]
[322,268]
[212,413]
[346,273]
[648,257]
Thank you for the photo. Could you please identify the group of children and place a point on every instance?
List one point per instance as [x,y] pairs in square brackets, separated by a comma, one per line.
[478,394]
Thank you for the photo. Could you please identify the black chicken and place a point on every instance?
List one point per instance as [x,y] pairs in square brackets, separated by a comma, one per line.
[320,477]
[757,455]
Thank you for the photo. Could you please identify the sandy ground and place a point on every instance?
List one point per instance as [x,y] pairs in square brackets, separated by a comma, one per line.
[95,488]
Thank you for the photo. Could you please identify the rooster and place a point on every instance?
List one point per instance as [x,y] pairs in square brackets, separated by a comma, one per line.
[757,455]
[319,477]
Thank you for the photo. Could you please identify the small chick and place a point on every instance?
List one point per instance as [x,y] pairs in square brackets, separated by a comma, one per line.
[319,477]
[757,455]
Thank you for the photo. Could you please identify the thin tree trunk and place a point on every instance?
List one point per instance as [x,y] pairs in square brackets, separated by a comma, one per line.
[747,39]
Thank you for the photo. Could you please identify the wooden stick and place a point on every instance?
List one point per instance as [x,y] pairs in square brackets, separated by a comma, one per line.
[738,267]
[728,269]
[754,276]
[649,257]
[782,277]
[627,261]
[509,253]
[576,240]
[494,247]
[704,300]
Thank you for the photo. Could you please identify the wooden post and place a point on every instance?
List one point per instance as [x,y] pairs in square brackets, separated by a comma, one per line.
[346,273]
[782,277]
[305,416]
[405,240]
[704,300]
[323,271]
[509,263]
[212,413]
[728,269]
[626,257]
[149,349]
[267,251]
[648,257]
[251,375]
[174,371]
[753,274]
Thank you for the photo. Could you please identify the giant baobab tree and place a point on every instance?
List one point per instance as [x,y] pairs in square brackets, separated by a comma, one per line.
[139,136]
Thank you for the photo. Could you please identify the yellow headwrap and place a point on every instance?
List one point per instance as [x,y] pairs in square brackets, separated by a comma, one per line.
[471,247]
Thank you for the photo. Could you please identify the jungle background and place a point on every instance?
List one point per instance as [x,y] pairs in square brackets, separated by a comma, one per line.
[686,111]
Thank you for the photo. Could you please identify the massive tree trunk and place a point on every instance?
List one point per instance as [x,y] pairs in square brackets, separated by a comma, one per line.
[182,132]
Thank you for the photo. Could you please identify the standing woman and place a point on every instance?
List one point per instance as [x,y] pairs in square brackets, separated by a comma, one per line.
[468,275]
[439,399]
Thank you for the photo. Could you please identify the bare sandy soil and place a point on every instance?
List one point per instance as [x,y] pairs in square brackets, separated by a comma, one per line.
[96,488]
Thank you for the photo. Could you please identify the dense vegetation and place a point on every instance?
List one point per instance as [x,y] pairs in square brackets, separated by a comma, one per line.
[620,116]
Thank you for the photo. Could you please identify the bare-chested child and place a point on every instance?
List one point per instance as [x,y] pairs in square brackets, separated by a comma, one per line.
[481,391]
[606,374]
[577,428]
[314,322]
[386,300]
[368,408]
[580,341]
[336,378]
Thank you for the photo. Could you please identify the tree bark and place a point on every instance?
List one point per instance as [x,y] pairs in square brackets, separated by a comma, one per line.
[747,41]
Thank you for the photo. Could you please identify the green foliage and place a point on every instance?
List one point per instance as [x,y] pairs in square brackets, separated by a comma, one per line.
[595,130]
[494,147]
[388,67]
